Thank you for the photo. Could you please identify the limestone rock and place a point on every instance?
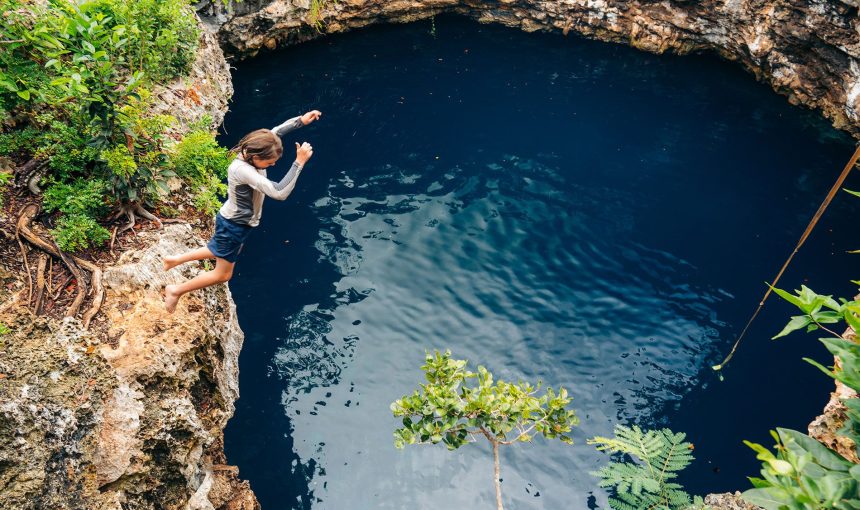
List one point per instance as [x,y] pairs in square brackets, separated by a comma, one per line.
[825,426]
[135,422]
[807,50]
[728,501]
[206,90]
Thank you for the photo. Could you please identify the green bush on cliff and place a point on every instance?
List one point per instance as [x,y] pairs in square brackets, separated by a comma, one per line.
[162,35]
[804,474]
[73,84]
[201,162]
[79,204]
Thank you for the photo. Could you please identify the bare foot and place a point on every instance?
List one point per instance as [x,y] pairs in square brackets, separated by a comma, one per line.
[171,297]
[170,262]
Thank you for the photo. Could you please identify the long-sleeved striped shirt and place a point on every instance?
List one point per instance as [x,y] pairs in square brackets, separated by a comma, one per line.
[247,185]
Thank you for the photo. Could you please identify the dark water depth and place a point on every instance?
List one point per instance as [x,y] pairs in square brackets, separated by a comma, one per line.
[550,207]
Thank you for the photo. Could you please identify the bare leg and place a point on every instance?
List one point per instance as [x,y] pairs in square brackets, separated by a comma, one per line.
[199,254]
[223,272]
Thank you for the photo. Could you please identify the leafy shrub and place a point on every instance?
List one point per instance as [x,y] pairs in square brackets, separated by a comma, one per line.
[22,77]
[139,167]
[163,35]
[208,198]
[77,232]
[85,197]
[203,164]
[20,141]
[648,483]
[805,474]
[80,204]
[78,72]
[65,144]
[4,329]
[198,156]
[204,123]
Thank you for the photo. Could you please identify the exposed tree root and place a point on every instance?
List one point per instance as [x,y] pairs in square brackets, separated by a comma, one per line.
[26,267]
[74,263]
[40,283]
[29,174]
[132,211]
[148,215]
[112,239]
[50,281]
[62,287]
[81,286]
[131,221]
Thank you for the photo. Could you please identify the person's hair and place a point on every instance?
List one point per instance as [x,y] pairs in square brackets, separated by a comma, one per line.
[259,144]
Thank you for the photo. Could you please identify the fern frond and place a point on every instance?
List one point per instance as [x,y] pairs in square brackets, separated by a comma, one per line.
[646,484]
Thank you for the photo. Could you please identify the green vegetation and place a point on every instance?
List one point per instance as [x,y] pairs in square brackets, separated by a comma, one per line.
[203,164]
[5,179]
[4,329]
[76,110]
[448,411]
[315,17]
[648,483]
[79,203]
[804,474]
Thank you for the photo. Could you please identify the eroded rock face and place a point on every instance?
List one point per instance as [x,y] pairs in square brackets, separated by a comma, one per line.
[205,91]
[806,49]
[136,422]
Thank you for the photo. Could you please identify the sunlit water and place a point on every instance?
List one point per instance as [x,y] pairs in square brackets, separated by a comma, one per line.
[550,207]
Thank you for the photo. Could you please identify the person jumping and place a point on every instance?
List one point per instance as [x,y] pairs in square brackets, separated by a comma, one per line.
[247,186]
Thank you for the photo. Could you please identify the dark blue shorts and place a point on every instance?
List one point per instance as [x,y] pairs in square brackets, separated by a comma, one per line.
[228,239]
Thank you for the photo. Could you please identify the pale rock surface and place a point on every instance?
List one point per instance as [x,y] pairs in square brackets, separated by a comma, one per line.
[807,50]
[137,422]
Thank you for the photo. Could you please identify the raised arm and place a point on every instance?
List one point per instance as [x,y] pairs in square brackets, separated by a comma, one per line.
[287,126]
[296,122]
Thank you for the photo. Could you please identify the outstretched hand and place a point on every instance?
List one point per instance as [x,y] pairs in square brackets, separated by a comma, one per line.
[311,116]
[304,152]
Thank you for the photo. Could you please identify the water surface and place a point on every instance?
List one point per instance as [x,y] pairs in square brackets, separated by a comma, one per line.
[552,208]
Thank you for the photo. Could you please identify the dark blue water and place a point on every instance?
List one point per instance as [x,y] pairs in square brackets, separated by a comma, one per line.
[553,208]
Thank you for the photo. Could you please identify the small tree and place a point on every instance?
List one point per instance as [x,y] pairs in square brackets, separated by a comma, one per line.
[447,411]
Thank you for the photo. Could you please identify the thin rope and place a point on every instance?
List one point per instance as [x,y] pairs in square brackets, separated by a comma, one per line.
[812,223]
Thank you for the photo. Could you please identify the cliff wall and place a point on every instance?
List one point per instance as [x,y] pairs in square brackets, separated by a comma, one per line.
[807,50]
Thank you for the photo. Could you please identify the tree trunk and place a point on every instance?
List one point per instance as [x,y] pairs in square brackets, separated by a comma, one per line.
[497,479]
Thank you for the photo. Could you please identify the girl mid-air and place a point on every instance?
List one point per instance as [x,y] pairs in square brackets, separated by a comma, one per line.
[247,185]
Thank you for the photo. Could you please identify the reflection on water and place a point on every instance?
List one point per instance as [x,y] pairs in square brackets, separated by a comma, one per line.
[515,273]
[613,259]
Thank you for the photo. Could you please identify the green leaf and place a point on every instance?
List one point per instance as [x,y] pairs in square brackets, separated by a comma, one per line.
[797,322]
[771,498]
[788,297]
[822,455]
[23,94]
[855,193]
[852,320]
